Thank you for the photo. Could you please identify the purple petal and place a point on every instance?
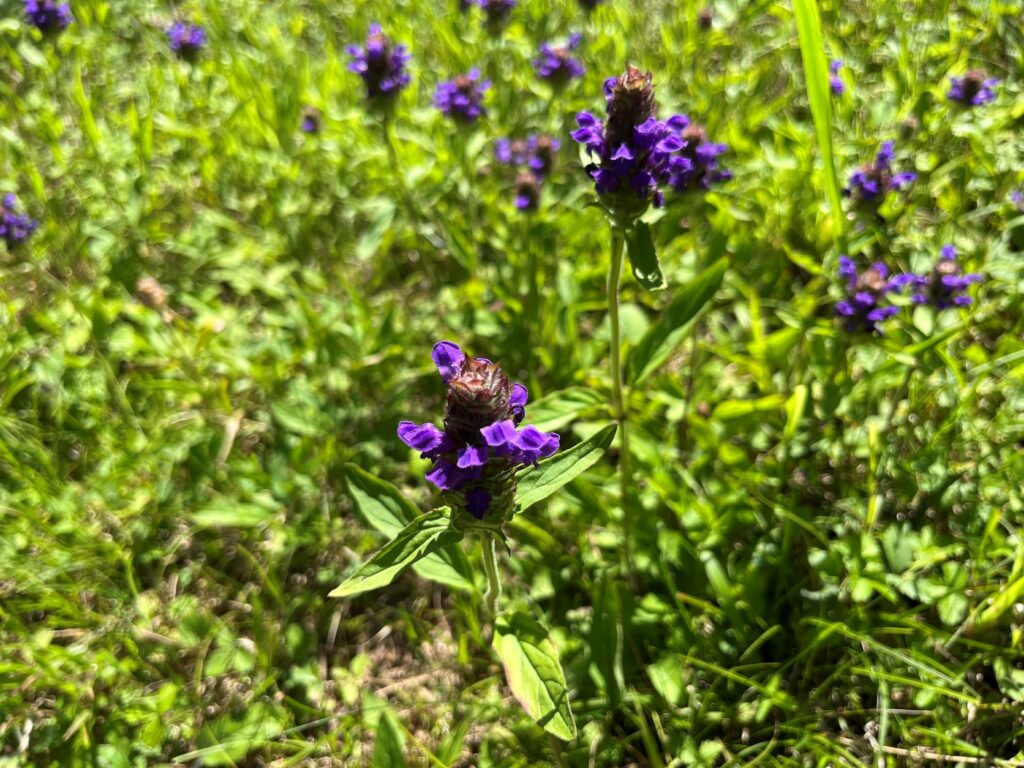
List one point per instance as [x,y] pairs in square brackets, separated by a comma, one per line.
[472,456]
[448,358]
[499,433]
[422,437]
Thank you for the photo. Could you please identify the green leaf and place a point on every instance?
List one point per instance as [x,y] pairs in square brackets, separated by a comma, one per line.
[387,749]
[643,258]
[534,673]
[660,341]
[606,640]
[816,74]
[424,535]
[230,737]
[537,483]
[383,507]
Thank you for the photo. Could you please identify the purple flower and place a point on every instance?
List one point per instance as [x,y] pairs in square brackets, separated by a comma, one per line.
[973,89]
[381,64]
[496,12]
[186,40]
[310,120]
[15,228]
[870,183]
[557,65]
[461,99]
[47,15]
[1017,198]
[865,304]
[536,156]
[945,286]
[835,83]
[634,153]
[476,454]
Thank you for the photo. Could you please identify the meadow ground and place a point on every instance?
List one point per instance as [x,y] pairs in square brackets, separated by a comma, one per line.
[229,304]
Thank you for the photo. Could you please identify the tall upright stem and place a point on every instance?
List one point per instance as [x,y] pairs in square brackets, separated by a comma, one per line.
[491,569]
[618,395]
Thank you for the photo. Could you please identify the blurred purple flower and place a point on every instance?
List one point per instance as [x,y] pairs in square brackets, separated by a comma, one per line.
[870,183]
[556,64]
[865,304]
[310,120]
[973,89]
[15,227]
[835,83]
[476,454]
[945,286]
[462,98]
[48,15]
[381,64]
[186,40]
[496,12]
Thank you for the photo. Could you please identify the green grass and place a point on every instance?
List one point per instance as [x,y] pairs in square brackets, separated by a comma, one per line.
[827,534]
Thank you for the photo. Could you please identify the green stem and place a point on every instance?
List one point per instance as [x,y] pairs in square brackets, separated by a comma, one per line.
[491,569]
[618,394]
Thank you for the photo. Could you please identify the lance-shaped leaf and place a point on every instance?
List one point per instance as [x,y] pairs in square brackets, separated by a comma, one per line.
[384,507]
[663,337]
[424,535]
[537,483]
[643,258]
[534,672]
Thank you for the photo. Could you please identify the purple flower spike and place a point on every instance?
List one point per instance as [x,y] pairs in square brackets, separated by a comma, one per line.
[448,357]
[946,285]
[835,83]
[476,454]
[15,227]
[48,16]
[634,153]
[536,156]
[381,64]
[973,89]
[462,98]
[186,40]
[870,183]
[496,12]
[865,304]
[556,63]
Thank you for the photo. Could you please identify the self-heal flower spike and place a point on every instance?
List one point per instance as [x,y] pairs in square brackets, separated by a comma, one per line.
[186,40]
[870,183]
[556,63]
[835,82]
[381,64]
[462,98]
[973,89]
[696,165]
[527,192]
[476,454]
[48,15]
[535,152]
[15,227]
[946,285]
[865,304]
[496,12]
[310,120]
[634,153]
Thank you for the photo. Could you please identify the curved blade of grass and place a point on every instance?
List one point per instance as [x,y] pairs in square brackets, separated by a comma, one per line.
[812,51]
[537,483]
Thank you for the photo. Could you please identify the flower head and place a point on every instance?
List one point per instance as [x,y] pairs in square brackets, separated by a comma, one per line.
[973,89]
[381,64]
[589,5]
[865,304]
[310,120]
[1017,198]
[946,285]
[482,443]
[705,17]
[556,63]
[462,98]
[870,183]
[48,15]
[535,158]
[835,82]
[186,40]
[634,153]
[496,12]
[15,227]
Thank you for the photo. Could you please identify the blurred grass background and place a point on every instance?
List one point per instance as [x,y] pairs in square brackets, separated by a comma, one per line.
[829,551]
